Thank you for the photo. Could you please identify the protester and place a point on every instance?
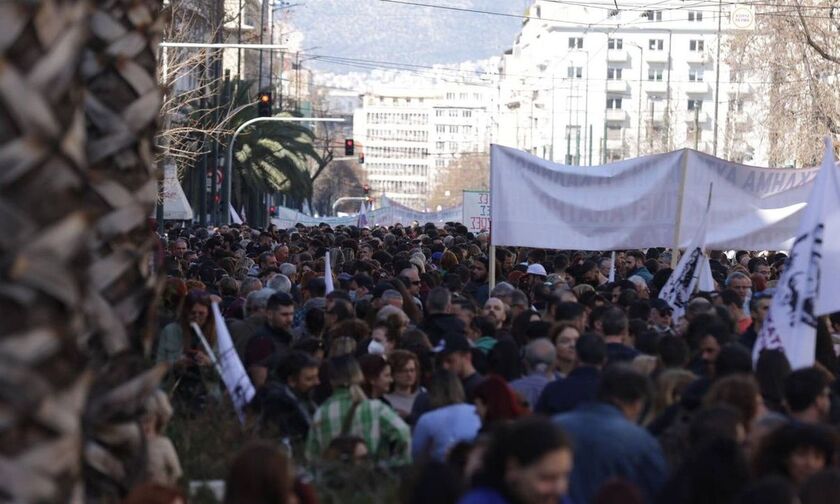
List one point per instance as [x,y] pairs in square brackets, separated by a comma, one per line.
[406,371]
[260,474]
[449,421]
[581,384]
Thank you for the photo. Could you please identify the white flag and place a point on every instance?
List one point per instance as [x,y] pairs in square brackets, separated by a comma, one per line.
[800,297]
[707,281]
[234,216]
[611,279]
[233,373]
[683,280]
[328,278]
[362,222]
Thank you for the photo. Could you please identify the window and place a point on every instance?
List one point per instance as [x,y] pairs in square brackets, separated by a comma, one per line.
[453,129]
[575,42]
[439,113]
[656,44]
[615,43]
[695,75]
[695,104]
[574,72]
[655,74]
[695,45]
[440,145]
[613,73]
[453,147]
[695,16]
[450,96]
[613,132]
[467,113]
[614,103]
[408,100]
[439,163]
[653,15]
[736,106]
[441,128]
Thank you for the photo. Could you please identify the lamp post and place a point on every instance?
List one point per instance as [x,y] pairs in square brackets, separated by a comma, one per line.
[226,188]
[639,112]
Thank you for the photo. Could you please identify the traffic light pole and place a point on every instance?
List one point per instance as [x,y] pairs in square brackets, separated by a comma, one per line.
[226,187]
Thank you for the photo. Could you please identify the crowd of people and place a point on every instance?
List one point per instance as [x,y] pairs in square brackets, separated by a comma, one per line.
[553,385]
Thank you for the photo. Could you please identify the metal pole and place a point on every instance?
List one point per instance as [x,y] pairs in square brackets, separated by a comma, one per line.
[492,268]
[226,188]
[586,110]
[717,81]
[553,97]
[239,48]
[639,113]
[668,98]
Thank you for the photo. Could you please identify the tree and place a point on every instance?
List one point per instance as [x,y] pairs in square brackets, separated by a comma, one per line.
[795,50]
[469,171]
[78,116]
[341,178]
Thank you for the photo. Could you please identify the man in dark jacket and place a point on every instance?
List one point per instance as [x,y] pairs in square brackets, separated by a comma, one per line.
[478,287]
[565,394]
[285,404]
[272,342]
[439,319]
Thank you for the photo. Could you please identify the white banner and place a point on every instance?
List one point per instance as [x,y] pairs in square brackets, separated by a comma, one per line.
[233,373]
[476,211]
[636,203]
[389,214]
[808,287]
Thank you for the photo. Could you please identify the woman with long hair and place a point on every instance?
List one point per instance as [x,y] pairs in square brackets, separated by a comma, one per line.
[496,403]
[405,368]
[449,421]
[192,375]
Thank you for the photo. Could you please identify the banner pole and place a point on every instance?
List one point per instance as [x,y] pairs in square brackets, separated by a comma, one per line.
[675,252]
[492,267]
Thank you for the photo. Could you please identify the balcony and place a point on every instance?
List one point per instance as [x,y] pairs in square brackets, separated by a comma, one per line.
[616,115]
[740,89]
[617,55]
[655,87]
[698,58]
[698,87]
[700,116]
[617,86]
[657,56]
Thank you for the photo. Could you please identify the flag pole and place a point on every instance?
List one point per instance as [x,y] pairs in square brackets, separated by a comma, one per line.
[675,253]
[492,267]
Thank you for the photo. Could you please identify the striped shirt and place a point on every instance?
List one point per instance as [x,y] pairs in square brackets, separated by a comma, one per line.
[386,435]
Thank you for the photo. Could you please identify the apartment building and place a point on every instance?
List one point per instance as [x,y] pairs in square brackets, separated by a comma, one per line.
[594,84]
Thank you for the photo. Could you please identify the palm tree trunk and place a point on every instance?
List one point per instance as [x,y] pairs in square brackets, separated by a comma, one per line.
[122,107]
[43,245]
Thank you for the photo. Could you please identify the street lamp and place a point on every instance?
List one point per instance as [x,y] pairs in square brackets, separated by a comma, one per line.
[639,114]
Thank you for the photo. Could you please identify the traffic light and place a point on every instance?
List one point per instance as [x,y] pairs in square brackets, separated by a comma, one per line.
[349,147]
[361,159]
[264,104]
[366,189]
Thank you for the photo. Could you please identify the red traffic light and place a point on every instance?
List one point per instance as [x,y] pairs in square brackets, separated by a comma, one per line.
[366,189]
[349,147]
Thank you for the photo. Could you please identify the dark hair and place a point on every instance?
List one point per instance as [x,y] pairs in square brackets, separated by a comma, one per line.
[673,351]
[568,311]
[343,310]
[260,474]
[294,363]
[821,488]
[614,322]
[525,441]
[719,421]
[704,325]
[775,449]
[591,349]
[771,370]
[803,387]
[715,472]
[733,358]
[279,299]
[639,310]
[621,383]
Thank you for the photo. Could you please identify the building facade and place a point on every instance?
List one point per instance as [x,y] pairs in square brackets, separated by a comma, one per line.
[409,136]
[589,85]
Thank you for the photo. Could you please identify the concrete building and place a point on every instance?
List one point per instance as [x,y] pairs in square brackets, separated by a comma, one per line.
[408,136]
[588,85]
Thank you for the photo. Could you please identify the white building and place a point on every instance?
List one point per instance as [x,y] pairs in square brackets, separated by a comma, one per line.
[588,85]
[408,136]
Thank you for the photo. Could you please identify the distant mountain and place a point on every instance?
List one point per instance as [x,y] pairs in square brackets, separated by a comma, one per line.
[380,31]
